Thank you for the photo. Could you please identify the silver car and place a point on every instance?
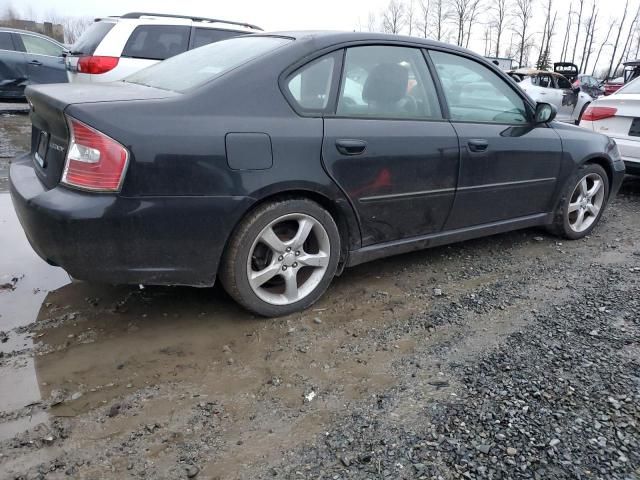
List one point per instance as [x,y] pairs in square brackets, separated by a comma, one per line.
[553,88]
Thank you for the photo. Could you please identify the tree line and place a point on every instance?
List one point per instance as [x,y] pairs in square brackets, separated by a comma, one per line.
[598,43]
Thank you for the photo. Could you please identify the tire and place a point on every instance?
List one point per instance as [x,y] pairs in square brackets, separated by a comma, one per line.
[574,203]
[294,244]
[584,108]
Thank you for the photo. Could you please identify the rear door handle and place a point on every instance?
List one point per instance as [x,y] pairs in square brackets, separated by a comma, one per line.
[35,62]
[351,147]
[478,145]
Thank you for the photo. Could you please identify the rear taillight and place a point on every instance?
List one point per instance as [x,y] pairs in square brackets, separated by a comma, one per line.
[94,161]
[97,65]
[593,113]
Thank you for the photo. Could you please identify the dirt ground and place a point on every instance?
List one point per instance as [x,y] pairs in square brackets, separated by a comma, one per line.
[514,356]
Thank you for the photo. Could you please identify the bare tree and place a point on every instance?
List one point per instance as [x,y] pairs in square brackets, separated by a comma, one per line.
[591,36]
[575,43]
[602,45]
[74,27]
[460,12]
[543,56]
[394,17]
[523,14]
[625,50]
[471,19]
[587,26]
[410,16]
[441,13]
[565,42]
[372,22]
[425,14]
[499,20]
[615,46]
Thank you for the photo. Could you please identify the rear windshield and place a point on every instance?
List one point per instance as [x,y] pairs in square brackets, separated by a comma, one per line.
[91,38]
[632,87]
[203,64]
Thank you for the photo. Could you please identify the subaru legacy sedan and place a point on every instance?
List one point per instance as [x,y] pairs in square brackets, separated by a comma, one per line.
[273,161]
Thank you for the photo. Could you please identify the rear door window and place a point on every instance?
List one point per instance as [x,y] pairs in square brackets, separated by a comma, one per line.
[6,43]
[205,36]
[91,38]
[157,42]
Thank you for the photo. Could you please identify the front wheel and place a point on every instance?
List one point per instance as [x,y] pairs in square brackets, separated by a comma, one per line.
[583,202]
[282,257]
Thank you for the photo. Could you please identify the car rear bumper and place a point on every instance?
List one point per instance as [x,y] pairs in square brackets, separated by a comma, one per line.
[113,239]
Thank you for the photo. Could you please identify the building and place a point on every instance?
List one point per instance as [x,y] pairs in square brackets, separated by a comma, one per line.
[502,63]
[53,30]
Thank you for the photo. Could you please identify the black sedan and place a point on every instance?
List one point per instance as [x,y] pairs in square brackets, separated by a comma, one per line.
[273,161]
[28,58]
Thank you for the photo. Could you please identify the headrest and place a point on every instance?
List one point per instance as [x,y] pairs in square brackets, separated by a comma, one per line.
[387,83]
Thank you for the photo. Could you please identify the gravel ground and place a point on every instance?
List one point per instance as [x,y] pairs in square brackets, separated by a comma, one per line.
[514,356]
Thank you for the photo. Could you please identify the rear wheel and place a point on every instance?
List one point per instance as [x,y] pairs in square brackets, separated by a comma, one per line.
[583,202]
[282,257]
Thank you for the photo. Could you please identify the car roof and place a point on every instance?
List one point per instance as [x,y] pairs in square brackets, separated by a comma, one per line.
[28,32]
[326,38]
[182,19]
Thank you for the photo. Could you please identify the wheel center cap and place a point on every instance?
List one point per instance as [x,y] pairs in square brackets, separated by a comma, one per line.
[288,259]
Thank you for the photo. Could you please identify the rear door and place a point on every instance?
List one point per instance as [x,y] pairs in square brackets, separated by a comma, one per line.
[45,63]
[388,146]
[569,99]
[509,166]
[13,67]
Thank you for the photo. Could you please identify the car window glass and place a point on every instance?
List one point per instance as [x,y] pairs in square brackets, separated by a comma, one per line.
[91,38]
[563,83]
[157,42]
[543,81]
[311,85]
[40,46]
[387,82]
[5,41]
[201,65]
[477,94]
[205,36]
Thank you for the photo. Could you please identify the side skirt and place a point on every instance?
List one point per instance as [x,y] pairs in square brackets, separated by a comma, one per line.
[381,250]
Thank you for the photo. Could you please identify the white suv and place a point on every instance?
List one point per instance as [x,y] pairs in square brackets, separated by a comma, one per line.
[115,47]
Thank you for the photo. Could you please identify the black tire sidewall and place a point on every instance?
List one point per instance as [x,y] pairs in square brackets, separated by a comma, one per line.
[244,239]
[573,183]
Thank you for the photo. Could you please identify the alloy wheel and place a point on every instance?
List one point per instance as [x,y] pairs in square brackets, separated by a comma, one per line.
[288,259]
[586,202]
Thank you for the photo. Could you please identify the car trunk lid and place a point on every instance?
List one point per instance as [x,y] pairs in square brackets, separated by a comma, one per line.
[50,132]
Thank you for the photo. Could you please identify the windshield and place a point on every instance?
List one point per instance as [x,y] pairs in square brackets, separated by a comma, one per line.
[203,64]
[631,87]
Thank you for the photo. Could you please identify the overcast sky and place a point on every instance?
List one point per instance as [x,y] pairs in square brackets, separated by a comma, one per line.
[306,14]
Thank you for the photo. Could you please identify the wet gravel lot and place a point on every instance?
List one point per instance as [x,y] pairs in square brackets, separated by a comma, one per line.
[515,356]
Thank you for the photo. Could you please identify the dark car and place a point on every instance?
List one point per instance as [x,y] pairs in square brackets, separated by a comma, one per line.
[590,85]
[273,161]
[28,58]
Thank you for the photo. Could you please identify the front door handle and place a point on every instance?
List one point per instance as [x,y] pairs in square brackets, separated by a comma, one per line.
[351,147]
[478,145]
[35,62]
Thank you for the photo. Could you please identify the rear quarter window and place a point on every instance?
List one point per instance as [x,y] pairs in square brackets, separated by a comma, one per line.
[157,42]
[5,41]
[91,38]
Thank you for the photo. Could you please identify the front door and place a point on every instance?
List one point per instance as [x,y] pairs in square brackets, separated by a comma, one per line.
[569,99]
[45,63]
[388,146]
[509,167]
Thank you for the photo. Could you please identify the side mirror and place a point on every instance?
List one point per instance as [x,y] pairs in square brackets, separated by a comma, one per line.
[545,112]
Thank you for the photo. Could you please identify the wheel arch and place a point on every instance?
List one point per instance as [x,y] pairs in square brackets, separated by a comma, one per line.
[339,208]
[605,164]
